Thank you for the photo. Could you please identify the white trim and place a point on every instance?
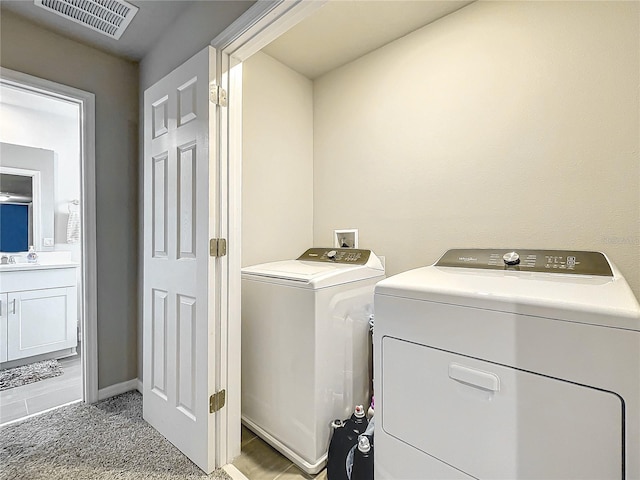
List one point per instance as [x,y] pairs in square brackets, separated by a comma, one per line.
[261,24]
[232,80]
[36,199]
[140,386]
[233,472]
[118,388]
[86,102]
[244,22]
[89,251]
[223,353]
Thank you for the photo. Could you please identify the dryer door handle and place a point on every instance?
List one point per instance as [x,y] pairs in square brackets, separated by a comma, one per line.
[477,378]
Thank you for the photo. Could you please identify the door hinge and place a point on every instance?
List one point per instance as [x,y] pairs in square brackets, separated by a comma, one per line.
[217,95]
[217,400]
[218,247]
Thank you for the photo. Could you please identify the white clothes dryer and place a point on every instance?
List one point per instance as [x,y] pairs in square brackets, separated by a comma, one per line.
[495,364]
[305,347]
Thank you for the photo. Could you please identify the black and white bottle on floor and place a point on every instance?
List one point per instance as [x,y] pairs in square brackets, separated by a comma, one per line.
[345,437]
[363,459]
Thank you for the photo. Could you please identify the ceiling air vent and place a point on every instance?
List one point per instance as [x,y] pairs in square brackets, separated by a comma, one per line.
[110,17]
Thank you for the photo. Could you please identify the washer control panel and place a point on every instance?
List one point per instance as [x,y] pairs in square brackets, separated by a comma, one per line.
[351,256]
[550,261]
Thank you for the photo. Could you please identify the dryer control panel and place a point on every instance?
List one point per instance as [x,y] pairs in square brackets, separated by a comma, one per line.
[351,256]
[549,261]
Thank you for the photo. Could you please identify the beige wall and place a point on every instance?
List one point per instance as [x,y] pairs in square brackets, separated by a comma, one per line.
[505,124]
[277,161]
[27,48]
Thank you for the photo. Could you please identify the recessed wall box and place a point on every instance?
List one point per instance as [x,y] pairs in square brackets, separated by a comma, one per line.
[345,238]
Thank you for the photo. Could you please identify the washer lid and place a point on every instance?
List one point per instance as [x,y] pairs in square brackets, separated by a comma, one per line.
[314,274]
[291,270]
[593,299]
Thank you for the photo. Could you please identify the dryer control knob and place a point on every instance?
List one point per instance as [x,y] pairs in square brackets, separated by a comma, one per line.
[511,258]
[331,254]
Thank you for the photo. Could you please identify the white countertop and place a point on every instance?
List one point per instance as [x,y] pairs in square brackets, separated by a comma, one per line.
[12,267]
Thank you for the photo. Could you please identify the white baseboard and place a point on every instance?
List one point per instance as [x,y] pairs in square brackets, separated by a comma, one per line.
[234,472]
[118,388]
[139,385]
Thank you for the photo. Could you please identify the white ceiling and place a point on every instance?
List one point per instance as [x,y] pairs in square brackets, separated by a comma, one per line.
[20,98]
[344,30]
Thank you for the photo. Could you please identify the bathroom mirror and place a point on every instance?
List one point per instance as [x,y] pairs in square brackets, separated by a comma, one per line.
[26,198]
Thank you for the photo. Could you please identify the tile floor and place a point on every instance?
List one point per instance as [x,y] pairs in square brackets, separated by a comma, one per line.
[37,397]
[259,461]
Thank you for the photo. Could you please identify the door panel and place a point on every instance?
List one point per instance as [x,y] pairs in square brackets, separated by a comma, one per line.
[186,354]
[180,188]
[187,200]
[159,211]
[158,345]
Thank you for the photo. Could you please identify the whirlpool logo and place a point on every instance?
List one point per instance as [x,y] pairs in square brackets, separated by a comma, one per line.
[468,259]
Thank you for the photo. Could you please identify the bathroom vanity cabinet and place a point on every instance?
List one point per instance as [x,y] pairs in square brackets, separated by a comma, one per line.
[38,309]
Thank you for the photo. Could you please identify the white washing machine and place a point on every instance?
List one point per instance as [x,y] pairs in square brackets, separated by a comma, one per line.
[305,347]
[494,364]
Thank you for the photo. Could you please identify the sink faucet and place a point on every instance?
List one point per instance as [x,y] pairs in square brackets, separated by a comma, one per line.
[7,259]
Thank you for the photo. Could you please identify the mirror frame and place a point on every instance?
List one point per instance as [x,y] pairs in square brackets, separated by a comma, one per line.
[36,205]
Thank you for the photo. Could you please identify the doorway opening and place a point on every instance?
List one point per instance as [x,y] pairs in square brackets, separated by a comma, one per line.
[48,354]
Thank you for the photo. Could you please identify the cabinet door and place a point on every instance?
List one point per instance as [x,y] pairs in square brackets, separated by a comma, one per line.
[4,309]
[41,321]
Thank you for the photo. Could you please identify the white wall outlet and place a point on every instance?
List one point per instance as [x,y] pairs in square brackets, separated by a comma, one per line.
[345,238]
[47,242]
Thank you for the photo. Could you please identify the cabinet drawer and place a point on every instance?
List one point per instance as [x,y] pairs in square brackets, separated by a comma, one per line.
[20,280]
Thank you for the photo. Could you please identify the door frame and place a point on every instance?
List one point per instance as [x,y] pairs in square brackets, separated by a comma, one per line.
[256,28]
[88,269]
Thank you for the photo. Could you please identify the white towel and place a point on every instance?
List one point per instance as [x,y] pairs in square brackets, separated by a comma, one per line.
[73,227]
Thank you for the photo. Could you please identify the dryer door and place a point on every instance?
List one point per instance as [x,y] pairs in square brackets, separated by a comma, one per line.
[495,422]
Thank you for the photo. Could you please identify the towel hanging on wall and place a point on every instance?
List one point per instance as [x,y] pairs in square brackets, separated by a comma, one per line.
[73,223]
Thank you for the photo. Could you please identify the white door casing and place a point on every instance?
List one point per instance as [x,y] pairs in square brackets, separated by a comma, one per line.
[181,291]
[88,270]
[253,30]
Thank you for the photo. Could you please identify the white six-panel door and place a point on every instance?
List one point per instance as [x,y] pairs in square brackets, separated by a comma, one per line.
[180,187]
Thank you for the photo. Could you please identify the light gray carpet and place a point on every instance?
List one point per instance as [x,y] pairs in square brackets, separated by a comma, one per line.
[34,372]
[107,440]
